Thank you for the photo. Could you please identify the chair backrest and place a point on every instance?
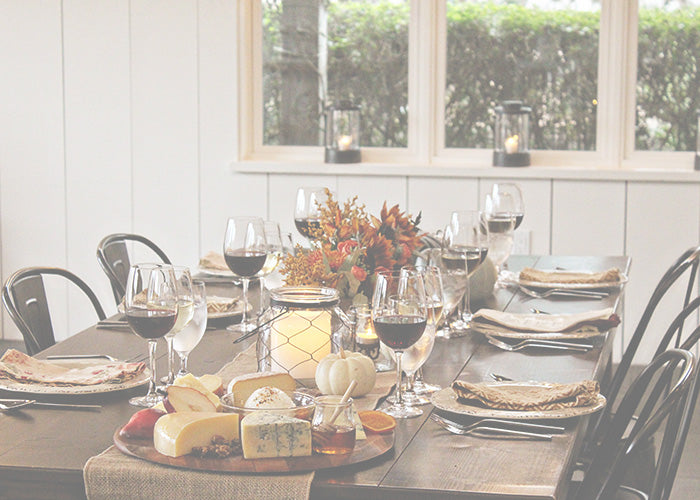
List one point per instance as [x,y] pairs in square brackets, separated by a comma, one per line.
[113,257]
[660,395]
[24,297]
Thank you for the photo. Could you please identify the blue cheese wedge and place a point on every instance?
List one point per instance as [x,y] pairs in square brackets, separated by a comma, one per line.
[267,435]
[175,434]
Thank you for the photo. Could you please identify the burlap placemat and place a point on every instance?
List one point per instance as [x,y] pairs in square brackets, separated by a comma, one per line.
[612,275]
[111,475]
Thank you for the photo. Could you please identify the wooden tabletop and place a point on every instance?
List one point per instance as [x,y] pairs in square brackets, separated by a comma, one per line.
[42,452]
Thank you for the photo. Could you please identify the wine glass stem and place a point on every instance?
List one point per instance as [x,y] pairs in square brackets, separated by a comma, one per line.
[410,380]
[171,359]
[183,364]
[418,376]
[244,316]
[152,366]
[467,299]
[399,392]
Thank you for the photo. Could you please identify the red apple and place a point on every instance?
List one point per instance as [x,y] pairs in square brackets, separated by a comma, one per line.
[141,423]
[188,399]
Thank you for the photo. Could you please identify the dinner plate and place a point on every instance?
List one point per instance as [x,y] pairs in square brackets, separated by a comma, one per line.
[219,273]
[365,449]
[38,388]
[511,277]
[446,399]
[236,311]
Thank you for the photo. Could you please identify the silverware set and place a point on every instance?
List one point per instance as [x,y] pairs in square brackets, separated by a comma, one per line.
[15,404]
[539,343]
[122,324]
[497,428]
[563,292]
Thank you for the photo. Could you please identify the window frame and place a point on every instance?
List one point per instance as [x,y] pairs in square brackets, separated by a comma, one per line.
[615,133]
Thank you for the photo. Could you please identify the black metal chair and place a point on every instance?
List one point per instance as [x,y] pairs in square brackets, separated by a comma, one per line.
[661,396]
[113,257]
[24,297]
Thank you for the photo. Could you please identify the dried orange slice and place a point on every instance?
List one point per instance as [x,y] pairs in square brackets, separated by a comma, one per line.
[377,422]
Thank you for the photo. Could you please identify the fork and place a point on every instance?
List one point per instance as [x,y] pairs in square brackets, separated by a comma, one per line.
[590,294]
[547,344]
[553,429]
[480,429]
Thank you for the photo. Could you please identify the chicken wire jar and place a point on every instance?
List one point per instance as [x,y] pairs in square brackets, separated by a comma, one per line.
[511,137]
[302,326]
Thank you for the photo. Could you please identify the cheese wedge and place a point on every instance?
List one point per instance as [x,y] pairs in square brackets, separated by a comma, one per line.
[267,435]
[193,382]
[243,386]
[175,434]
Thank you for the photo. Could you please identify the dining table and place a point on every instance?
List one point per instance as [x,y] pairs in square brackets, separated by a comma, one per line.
[43,451]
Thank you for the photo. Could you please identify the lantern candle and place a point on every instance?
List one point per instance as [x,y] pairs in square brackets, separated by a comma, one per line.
[512,144]
[367,336]
[344,142]
[299,340]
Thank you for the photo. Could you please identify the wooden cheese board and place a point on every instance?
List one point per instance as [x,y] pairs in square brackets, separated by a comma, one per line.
[365,449]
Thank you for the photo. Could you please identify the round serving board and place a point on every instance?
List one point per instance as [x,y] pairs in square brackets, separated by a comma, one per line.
[365,449]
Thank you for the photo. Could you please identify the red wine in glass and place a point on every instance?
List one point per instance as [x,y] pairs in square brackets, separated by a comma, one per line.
[245,263]
[518,219]
[399,331]
[455,257]
[151,323]
[307,226]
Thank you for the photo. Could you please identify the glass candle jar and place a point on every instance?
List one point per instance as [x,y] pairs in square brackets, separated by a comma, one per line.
[343,133]
[332,426]
[304,324]
[511,137]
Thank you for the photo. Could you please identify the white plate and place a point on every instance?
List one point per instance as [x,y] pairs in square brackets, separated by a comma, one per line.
[446,400]
[216,272]
[236,311]
[38,388]
[511,277]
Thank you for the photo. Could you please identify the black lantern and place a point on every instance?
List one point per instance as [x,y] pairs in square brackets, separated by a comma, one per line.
[343,133]
[697,144]
[511,146]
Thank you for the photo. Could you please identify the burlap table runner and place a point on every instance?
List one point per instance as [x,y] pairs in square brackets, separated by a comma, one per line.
[111,475]
[612,275]
[527,398]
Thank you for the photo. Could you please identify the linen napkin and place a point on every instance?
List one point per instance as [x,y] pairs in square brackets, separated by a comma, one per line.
[528,398]
[112,475]
[493,322]
[213,260]
[612,275]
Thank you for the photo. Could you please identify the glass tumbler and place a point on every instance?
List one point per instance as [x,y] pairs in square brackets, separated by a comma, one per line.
[332,426]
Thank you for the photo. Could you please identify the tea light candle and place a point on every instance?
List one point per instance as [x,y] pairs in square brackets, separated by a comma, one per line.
[367,336]
[512,144]
[298,340]
[344,142]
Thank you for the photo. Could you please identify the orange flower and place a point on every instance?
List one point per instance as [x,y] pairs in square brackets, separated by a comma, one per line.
[347,246]
[359,273]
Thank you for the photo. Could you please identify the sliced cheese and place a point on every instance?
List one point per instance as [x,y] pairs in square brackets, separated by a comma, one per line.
[175,434]
[267,435]
[243,386]
[193,382]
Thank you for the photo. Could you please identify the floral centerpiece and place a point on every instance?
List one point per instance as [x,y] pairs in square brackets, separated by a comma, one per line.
[351,246]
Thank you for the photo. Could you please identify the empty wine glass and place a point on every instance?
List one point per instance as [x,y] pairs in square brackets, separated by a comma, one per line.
[188,337]
[185,309]
[275,251]
[245,252]
[307,215]
[464,248]
[500,220]
[150,304]
[400,314]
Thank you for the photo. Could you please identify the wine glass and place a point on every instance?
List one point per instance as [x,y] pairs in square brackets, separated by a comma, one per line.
[500,221]
[188,337]
[245,252]
[400,314]
[150,304]
[464,247]
[453,289]
[509,197]
[307,215]
[185,310]
[275,251]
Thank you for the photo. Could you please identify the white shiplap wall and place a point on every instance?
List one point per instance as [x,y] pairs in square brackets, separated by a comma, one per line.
[122,116]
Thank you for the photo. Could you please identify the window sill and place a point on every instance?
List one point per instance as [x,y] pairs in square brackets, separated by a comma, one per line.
[416,170]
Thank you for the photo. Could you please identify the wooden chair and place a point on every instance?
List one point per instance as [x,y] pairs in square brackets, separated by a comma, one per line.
[660,396]
[24,298]
[113,257]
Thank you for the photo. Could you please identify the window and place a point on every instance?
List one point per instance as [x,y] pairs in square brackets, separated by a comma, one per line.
[610,82]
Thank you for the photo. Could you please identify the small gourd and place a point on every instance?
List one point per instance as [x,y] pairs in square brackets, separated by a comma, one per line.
[481,283]
[335,372]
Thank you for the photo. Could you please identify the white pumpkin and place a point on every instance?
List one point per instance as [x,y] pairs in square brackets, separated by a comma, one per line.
[482,281]
[335,372]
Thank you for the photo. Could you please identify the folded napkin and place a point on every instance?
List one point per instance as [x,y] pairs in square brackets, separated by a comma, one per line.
[612,275]
[213,260]
[530,397]
[18,366]
[492,321]
[218,305]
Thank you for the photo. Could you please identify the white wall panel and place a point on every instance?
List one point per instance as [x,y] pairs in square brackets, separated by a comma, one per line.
[663,220]
[374,191]
[588,218]
[164,125]
[282,195]
[436,198]
[98,145]
[32,188]
[222,193]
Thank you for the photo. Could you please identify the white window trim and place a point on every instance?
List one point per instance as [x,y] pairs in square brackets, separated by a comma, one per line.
[426,77]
